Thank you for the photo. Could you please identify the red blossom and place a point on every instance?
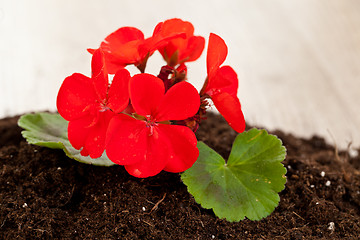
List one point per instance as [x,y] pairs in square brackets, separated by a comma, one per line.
[147,143]
[127,45]
[222,83]
[90,103]
[153,133]
[121,48]
[179,50]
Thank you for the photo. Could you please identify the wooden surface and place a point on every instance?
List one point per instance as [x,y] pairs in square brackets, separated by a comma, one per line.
[298,61]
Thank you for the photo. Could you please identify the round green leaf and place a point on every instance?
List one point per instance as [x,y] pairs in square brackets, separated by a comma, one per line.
[247,185]
[50,130]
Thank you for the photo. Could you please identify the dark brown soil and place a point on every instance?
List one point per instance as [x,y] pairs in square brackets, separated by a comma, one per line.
[44,194]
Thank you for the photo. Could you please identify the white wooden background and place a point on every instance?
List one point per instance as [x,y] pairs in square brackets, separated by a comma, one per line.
[298,61]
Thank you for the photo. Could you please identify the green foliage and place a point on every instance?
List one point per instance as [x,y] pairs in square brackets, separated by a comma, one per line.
[50,130]
[247,185]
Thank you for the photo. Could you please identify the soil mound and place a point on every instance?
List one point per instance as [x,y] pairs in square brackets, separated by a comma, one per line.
[44,194]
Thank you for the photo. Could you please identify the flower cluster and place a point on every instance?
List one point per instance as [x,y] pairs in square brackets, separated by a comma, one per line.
[145,122]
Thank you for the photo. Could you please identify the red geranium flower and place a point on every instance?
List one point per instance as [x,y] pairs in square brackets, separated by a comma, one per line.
[127,45]
[222,83]
[146,142]
[121,48]
[179,50]
[90,103]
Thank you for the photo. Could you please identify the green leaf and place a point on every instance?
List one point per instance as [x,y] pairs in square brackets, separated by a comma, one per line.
[50,130]
[247,185]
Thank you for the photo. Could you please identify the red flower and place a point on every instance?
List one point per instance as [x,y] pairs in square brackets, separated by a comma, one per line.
[122,48]
[222,83]
[179,50]
[127,45]
[90,103]
[147,143]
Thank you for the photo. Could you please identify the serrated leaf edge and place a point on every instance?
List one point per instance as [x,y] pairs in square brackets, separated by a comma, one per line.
[199,198]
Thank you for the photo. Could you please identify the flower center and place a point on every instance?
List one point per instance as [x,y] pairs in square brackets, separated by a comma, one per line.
[150,123]
[103,106]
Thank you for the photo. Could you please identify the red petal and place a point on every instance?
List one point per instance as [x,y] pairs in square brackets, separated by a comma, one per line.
[156,158]
[177,25]
[183,145]
[126,140]
[113,64]
[91,50]
[121,48]
[122,56]
[146,92]
[78,131]
[194,48]
[99,74]
[84,152]
[123,35]
[157,29]
[223,80]
[162,35]
[118,96]
[120,39]
[180,102]
[169,28]
[229,106]
[216,54]
[168,51]
[76,94]
[91,139]
[160,41]
[95,142]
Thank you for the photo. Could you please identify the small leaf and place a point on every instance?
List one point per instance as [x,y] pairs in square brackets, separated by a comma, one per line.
[247,185]
[50,130]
